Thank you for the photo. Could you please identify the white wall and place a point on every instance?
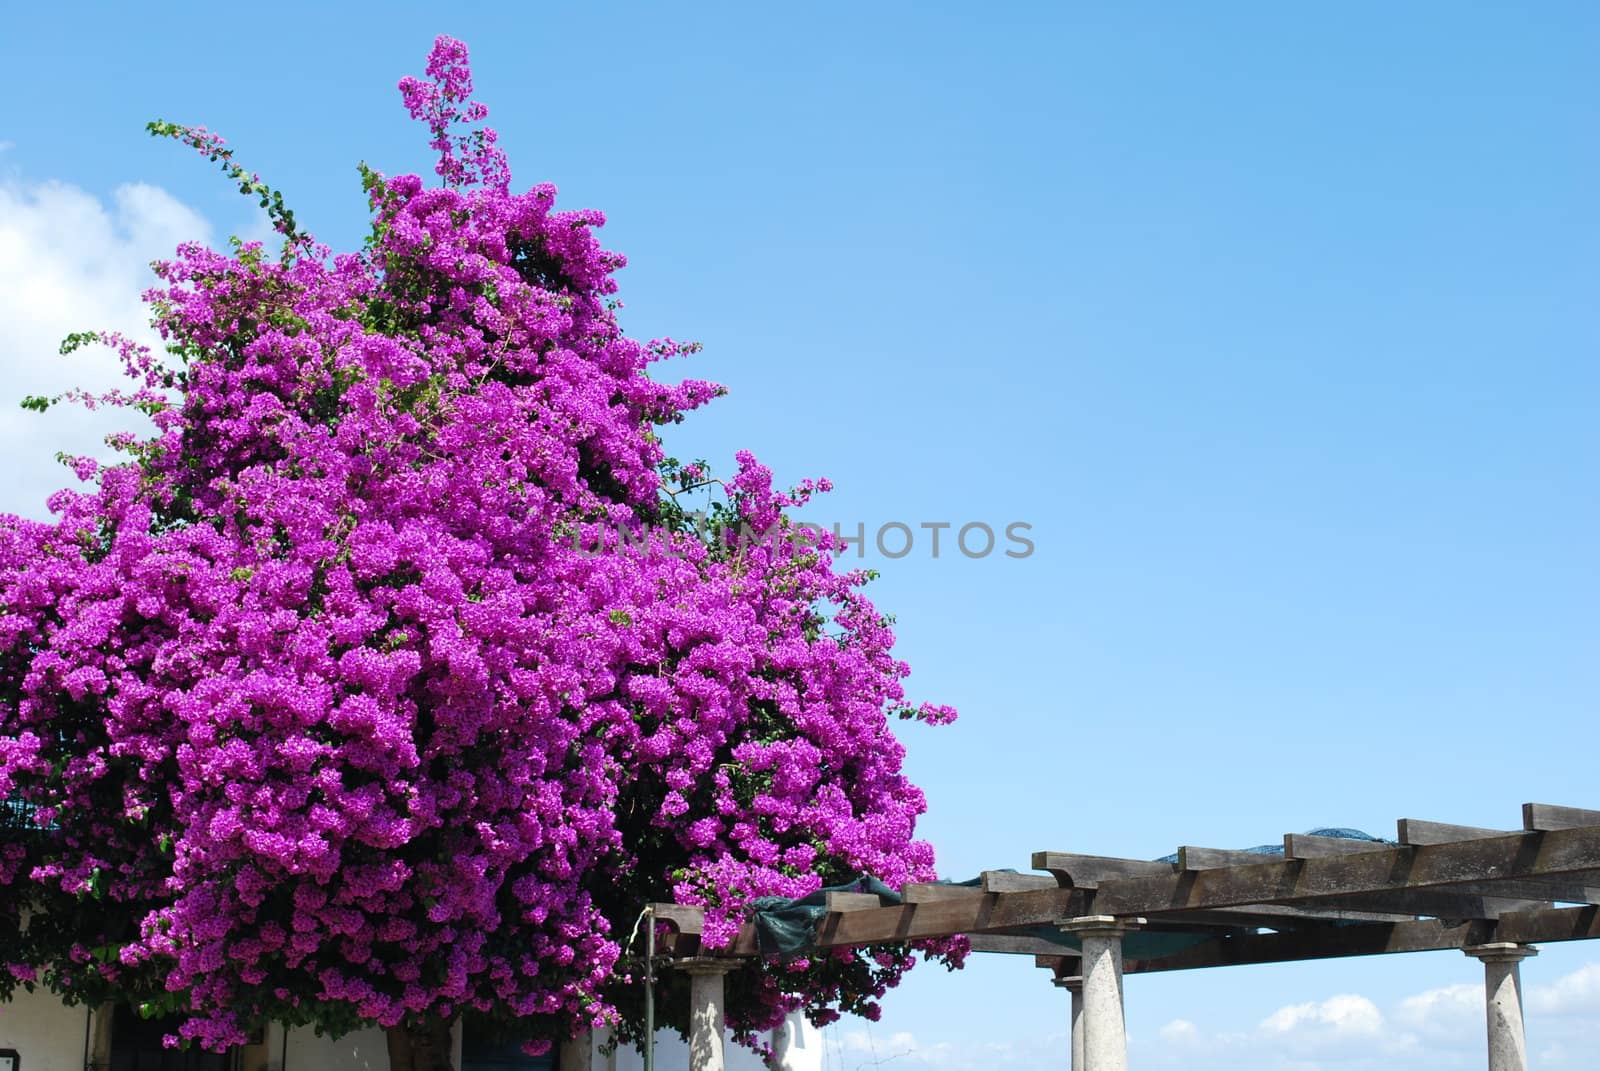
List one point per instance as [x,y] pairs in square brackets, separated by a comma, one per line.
[673,1055]
[797,1043]
[47,1035]
[362,1050]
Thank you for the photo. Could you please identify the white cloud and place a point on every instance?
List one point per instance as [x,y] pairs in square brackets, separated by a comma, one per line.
[71,262]
[1440,1028]
[1575,994]
[1443,1015]
[1346,1015]
[866,1049]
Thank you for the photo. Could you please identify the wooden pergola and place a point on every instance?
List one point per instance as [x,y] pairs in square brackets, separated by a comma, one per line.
[1492,894]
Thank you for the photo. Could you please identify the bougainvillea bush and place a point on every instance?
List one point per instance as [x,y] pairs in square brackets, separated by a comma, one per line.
[389,677]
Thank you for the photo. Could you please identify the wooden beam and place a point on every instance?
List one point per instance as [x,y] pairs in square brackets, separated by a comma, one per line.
[684,924]
[933,891]
[1322,942]
[1088,871]
[1545,927]
[910,922]
[1458,880]
[1297,881]
[1310,846]
[687,919]
[1415,831]
[1011,881]
[1572,889]
[1448,902]
[1576,888]
[984,913]
[1326,942]
[1545,816]
[1282,916]
[852,901]
[1016,944]
[1194,858]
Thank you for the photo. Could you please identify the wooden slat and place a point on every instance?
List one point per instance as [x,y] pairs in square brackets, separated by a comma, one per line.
[1327,942]
[1088,871]
[684,922]
[1191,857]
[909,922]
[1416,831]
[1465,882]
[931,892]
[1322,942]
[1546,927]
[1573,889]
[1015,944]
[984,913]
[1309,846]
[1544,816]
[973,915]
[1446,902]
[852,901]
[687,919]
[1296,881]
[1278,916]
[1011,881]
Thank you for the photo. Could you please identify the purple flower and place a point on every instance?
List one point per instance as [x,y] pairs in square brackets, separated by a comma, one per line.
[342,691]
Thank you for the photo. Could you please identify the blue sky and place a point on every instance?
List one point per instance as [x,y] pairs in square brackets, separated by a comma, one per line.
[1276,324]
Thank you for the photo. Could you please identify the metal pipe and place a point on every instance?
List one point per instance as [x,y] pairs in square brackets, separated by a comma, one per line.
[650,989]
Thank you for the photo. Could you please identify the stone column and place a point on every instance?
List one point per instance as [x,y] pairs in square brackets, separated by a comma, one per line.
[705,1010]
[577,1054]
[606,1061]
[1105,1036]
[1502,998]
[1074,986]
[100,1019]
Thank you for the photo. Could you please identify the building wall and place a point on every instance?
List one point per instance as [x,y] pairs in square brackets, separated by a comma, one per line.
[797,1044]
[673,1055]
[363,1050]
[48,1035]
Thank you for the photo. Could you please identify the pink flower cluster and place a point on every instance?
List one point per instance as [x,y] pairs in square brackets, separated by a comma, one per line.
[316,691]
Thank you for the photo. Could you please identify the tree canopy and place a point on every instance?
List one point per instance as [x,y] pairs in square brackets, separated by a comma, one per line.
[392,674]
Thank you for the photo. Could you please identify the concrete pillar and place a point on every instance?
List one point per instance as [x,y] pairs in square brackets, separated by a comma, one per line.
[1105,1036]
[1074,986]
[1502,998]
[797,1045]
[98,1057]
[577,1054]
[604,1060]
[705,1010]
